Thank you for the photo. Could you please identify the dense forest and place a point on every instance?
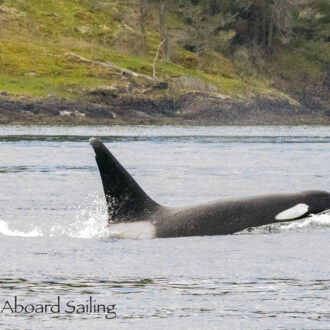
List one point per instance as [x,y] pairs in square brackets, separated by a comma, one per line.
[288,40]
[244,49]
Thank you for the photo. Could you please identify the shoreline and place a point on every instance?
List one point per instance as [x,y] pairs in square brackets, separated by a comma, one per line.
[49,121]
[193,109]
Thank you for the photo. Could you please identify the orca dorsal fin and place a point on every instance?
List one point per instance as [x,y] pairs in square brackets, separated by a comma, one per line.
[125,199]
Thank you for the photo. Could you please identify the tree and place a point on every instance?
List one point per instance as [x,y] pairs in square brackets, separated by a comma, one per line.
[142,18]
[280,22]
[262,23]
[213,7]
[163,27]
[204,32]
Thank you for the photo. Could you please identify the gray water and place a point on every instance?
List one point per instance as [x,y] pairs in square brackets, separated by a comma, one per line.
[53,235]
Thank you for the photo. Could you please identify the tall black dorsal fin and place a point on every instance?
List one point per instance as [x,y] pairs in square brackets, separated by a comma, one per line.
[125,199]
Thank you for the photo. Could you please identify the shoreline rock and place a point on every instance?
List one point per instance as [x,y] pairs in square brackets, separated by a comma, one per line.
[193,108]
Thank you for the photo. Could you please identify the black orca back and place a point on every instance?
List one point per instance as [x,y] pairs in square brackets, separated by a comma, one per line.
[125,199]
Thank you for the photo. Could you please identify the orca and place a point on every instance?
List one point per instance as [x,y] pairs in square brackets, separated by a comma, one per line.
[133,214]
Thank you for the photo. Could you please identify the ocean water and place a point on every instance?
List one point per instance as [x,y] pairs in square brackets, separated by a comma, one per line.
[55,248]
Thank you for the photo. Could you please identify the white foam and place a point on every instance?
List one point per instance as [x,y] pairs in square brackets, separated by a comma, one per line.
[5,230]
[321,220]
[91,222]
[314,221]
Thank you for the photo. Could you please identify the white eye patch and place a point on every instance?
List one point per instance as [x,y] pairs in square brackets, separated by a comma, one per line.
[293,213]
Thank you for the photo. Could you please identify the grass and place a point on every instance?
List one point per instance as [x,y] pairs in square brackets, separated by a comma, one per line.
[34,70]
[35,35]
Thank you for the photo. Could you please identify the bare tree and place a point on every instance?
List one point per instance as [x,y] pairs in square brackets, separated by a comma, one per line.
[280,21]
[156,58]
[142,18]
[213,7]
[271,27]
[263,33]
[163,27]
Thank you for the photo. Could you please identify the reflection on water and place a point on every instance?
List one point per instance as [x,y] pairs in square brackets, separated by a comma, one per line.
[168,139]
[282,298]
[41,169]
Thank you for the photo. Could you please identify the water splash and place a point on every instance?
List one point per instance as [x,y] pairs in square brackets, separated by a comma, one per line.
[91,222]
[5,230]
[314,221]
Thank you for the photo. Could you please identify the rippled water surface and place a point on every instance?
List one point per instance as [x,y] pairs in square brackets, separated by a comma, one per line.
[53,236]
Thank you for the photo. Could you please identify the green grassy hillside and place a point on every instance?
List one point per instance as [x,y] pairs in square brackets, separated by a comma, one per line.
[38,38]
[35,37]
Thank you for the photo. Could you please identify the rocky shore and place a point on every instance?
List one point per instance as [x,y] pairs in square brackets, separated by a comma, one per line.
[104,107]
